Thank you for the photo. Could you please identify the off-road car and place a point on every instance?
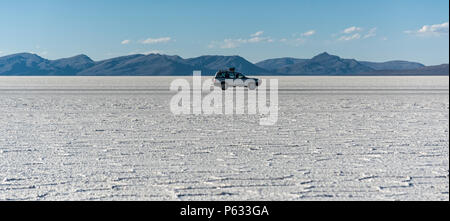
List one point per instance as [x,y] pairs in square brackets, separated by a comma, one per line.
[231,78]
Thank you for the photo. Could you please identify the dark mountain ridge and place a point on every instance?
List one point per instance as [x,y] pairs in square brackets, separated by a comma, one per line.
[159,65]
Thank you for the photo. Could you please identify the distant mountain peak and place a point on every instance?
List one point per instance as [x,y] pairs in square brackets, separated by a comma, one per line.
[82,56]
[153,55]
[78,58]
[324,55]
[25,55]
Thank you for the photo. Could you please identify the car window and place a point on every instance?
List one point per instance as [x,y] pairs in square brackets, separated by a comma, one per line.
[220,75]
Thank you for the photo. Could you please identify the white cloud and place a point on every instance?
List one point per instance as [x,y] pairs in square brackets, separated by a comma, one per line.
[353,33]
[153,52]
[351,29]
[156,40]
[255,40]
[259,33]
[350,37]
[438,28]
[234,43]
[308,33]
[431,30]
[259,39]
[371,33]
[299,41]
[124,42]
[146,52]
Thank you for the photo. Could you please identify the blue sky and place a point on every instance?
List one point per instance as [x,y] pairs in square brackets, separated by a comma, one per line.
[366,30]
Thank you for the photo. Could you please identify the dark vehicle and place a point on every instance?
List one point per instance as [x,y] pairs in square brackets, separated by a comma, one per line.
[225,79]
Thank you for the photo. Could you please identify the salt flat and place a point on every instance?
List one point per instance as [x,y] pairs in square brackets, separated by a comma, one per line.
[114,138]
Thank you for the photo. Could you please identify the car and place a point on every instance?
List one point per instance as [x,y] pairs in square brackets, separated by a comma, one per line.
[231,78]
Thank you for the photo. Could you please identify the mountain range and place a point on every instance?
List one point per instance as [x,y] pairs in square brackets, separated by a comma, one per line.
[27,64]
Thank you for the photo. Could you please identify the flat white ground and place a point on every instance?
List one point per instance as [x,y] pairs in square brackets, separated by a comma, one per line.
[114,138]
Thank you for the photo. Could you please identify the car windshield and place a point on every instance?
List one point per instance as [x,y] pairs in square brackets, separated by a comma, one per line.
[230,75]
[239,75]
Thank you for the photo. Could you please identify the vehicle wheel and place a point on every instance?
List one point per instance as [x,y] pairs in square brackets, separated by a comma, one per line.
[224,86]
[251,86]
